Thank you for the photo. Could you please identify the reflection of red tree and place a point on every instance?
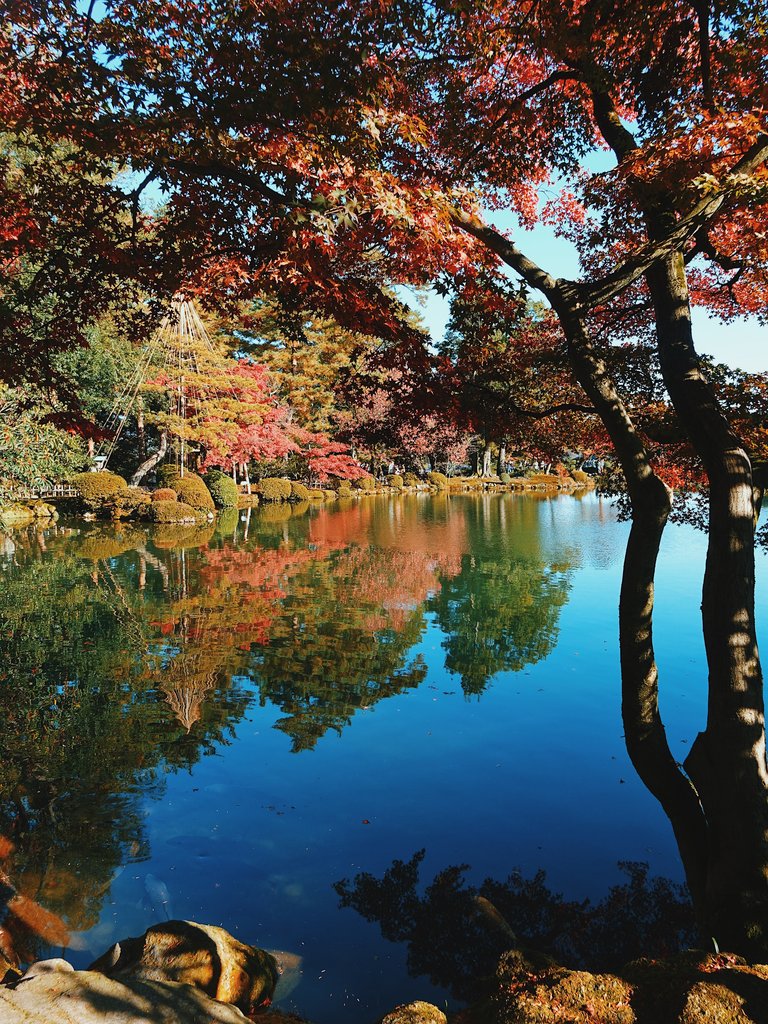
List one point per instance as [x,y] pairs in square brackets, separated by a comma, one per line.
[24,924]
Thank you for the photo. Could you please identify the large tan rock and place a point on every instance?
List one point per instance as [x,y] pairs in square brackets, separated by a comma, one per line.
[51,992]
[195,954]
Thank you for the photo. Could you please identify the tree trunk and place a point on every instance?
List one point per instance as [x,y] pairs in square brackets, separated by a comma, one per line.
[149,464]
[487,461]
[727,762]
[644,731]
[501,465]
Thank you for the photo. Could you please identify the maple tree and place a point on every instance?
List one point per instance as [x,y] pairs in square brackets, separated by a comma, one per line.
[328,150]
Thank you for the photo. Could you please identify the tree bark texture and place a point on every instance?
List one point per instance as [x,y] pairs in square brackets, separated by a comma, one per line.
[728,760]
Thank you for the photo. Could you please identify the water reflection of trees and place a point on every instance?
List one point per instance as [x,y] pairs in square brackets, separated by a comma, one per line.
[500,610]
[455,931]
[128,653]
[83,729]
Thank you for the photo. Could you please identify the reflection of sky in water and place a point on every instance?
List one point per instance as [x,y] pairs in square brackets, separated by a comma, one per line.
[531,773]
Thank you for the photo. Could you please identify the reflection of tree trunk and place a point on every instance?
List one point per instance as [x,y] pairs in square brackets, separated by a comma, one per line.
[727,762]
[149,464]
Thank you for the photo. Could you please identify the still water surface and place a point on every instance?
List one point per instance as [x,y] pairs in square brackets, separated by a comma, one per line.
[217,724]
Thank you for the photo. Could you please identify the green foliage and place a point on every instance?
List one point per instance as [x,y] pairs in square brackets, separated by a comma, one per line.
[167,474]
[395,480]
[95,489]
[344,490]
[164,494]
[132,503]
[223,488]
[365,483]
[505,478]
[580,476]
[330,495]
[191,490]
[273,488]
[173,512]
[315,494]
[298,491]
[33,452]
[438,480]
[410,480]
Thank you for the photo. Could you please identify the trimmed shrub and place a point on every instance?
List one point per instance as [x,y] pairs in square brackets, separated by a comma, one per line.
[580,477]
[274,488]
[173,512]
[506,479]
[365,483]
[164,494]
[395,480]
[299,492]
[438,480]
[95,488]
[410,480]
[191,490]
[344,490]
[330,495]
[167,474]
[223,488]
[315,494]
[132,503]
[544,479]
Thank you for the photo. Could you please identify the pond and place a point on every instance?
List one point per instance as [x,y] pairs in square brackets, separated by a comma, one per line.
[220,723]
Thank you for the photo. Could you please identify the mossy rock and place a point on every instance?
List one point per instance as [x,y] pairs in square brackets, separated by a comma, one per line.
[415,1013]
[191,490]
[557,995]
[223,488]
[42,510]
[16,515]
[173,512]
